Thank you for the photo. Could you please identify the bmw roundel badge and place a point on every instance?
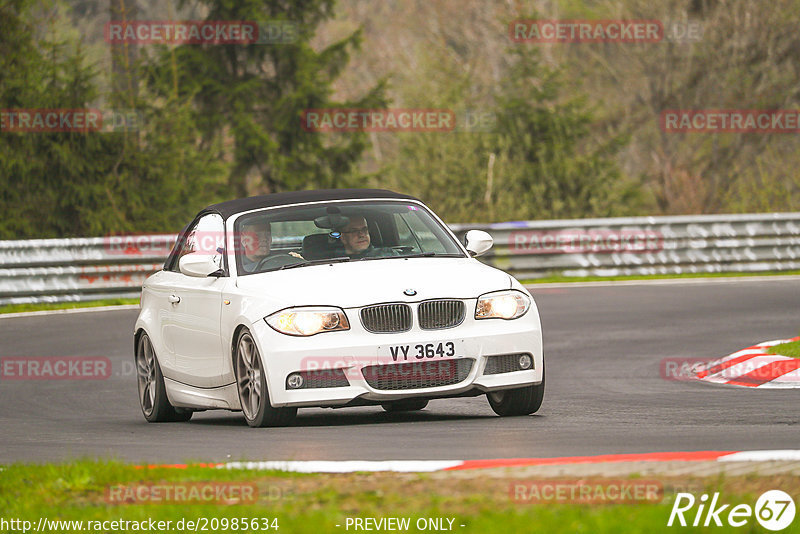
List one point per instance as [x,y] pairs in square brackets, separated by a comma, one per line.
[409,292]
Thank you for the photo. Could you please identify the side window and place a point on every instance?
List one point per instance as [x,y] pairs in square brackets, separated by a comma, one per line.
[207,236]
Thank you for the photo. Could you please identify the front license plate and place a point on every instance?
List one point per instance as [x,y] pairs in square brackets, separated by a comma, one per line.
[415,352]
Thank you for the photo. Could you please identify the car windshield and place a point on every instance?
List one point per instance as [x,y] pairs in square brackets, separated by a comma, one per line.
[283,238]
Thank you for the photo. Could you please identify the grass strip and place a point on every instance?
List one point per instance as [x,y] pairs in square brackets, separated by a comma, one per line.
[791,349]
[81,490]
[43,306]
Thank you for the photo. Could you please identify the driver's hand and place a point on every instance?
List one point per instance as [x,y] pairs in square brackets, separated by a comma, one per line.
[296,255]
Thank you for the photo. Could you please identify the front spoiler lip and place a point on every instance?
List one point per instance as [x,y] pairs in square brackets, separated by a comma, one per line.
[474,391]
[360,395]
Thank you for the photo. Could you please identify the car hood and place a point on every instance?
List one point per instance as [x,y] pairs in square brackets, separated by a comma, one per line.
[355,284]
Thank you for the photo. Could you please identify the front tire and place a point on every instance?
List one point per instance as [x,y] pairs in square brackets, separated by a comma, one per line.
[520,401]
[405,405]
[251,383]
[152,391]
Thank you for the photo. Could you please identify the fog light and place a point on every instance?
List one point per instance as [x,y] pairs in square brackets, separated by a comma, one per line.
[525,361]
[295,381]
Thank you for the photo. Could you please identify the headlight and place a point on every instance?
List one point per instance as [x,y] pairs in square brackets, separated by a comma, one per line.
[308,321]
[502,305]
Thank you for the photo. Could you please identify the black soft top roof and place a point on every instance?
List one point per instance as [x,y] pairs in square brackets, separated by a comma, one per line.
[231,207]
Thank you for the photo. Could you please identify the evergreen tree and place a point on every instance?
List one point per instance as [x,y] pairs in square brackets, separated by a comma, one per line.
[254,95]
[540,151]
[148,178]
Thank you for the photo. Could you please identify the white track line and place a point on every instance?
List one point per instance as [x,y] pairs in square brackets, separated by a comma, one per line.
[70,310]
[348,466]
[429,466]
[762,456]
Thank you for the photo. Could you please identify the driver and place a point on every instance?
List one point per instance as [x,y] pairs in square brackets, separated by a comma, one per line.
[256,239]
[357,243]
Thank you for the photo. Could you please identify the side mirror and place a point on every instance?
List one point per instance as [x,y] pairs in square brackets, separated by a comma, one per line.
[477,242]
[198,265]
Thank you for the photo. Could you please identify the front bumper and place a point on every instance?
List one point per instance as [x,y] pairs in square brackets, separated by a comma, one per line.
[353,350]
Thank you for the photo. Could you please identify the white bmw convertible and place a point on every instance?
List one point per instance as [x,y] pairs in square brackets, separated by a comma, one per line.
[331,298]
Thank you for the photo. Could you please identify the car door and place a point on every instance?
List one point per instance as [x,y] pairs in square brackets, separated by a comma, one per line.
[193,321]
[156,295]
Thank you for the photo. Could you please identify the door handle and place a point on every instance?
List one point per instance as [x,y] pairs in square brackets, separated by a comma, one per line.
[174,299]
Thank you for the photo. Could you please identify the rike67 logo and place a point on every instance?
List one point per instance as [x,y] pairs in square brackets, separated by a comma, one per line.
[774,510]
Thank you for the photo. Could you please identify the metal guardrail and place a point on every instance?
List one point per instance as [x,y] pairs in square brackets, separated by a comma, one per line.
[55,270]
[645,245]
[79,269]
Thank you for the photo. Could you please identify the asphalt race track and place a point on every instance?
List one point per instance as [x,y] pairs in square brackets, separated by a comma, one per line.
[603,347]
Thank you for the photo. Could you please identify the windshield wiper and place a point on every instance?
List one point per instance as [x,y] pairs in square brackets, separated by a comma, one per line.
[418,255]
[368,258]
[429,254]
[304,263]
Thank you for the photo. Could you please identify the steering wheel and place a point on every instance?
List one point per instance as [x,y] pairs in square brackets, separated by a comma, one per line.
[279,260]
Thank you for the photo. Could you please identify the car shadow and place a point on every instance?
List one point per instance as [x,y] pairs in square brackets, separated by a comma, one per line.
[335,418]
